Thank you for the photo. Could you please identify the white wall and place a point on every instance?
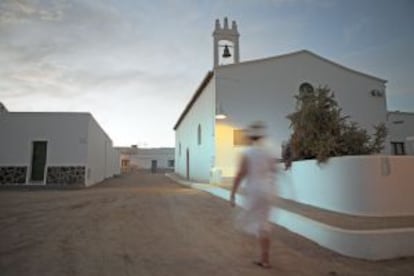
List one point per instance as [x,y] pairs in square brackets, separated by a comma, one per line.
[65,133]
[401,128]
[362,185]
[409,142]
[264,90]
[201,156]
[116,162]
[102,157]
[113,166]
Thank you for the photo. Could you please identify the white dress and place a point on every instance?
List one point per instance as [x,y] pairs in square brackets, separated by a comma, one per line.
[259,190]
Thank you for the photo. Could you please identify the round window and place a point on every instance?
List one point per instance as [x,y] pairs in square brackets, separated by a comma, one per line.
[306,88]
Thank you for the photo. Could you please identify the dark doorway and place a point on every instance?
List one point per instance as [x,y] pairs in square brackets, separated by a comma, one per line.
[39,154]
[188,163]
[154,166]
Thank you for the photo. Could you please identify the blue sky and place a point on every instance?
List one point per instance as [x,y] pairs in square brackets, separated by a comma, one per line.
[135,64]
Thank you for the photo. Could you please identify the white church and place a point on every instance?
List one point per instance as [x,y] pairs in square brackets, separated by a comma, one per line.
[209,131]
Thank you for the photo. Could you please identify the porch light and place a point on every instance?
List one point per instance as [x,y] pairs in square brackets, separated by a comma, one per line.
[220,114]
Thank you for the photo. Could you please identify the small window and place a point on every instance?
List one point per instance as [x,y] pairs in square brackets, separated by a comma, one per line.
[398,148]
[199,135]
[239,138]
[170,163]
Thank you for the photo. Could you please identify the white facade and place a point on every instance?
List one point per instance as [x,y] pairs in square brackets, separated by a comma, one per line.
[264,90]
[147,158]
[77,151]
[401,132]
[194,157]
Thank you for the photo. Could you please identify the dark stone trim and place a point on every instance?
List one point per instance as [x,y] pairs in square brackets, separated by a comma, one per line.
[66,175]
[13,175]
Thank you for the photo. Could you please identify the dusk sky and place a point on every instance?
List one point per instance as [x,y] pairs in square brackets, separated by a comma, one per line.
[135,64]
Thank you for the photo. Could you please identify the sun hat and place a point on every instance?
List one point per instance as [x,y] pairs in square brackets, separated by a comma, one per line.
[257,129]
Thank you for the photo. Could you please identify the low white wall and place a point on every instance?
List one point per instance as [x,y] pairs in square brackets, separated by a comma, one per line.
[362,185]
[379,244]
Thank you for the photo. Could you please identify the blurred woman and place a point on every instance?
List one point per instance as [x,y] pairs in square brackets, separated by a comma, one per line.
[258,168]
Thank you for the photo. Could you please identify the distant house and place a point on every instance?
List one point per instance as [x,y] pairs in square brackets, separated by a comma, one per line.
[50,148]
[155,159]
[401,132]
[209,131]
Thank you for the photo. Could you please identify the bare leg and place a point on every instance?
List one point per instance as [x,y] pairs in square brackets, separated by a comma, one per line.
[264,244]
[264,249]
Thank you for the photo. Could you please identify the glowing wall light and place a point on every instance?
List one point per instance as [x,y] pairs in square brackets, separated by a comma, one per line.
[220,114]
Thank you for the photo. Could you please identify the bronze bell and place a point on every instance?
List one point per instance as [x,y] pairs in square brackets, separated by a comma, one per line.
[226,52]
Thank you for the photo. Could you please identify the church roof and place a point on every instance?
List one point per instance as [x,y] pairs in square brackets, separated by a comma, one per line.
[304,52]
[210,74]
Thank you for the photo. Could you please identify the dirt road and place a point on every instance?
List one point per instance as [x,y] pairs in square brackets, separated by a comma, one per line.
[145,224]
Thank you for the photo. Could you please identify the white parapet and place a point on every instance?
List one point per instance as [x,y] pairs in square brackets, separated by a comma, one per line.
[378,185]
[378,244]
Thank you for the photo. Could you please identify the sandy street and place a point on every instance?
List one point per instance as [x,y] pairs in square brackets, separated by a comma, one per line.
[145,224]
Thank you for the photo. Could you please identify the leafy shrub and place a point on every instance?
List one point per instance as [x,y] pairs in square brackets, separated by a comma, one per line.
[320,131]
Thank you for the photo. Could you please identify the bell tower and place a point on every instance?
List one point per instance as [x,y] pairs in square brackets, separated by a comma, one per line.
[228,39]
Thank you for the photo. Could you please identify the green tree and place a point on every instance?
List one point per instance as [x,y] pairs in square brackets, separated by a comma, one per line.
[320,131]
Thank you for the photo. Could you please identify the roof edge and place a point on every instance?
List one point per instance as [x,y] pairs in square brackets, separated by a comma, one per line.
[50,113]
[193,99]
[400,112]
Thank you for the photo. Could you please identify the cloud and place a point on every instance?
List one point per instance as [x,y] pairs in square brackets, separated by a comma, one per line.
[18,11]
[135,64]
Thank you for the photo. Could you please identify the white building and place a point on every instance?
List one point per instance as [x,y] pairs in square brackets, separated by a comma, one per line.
[155,159]
[54,149]
[264,90]
[401,132]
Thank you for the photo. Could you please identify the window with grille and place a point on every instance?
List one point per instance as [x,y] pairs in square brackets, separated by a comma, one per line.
[398,148]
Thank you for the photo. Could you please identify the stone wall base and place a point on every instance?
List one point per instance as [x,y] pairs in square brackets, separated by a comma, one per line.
[13,175]
[66,175]
[56,175]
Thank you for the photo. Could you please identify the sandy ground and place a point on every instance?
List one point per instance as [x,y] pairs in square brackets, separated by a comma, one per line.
[145,224]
